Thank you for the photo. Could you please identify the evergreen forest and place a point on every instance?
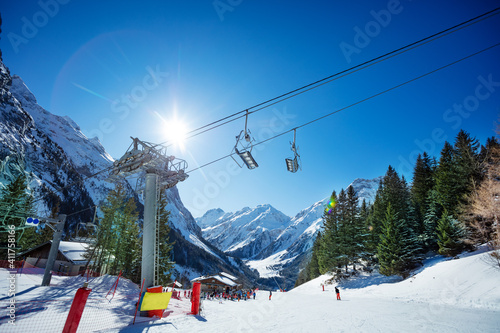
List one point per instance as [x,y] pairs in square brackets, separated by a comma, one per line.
[450,206]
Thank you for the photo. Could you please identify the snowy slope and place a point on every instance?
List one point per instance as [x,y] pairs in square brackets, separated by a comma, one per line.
[461,295]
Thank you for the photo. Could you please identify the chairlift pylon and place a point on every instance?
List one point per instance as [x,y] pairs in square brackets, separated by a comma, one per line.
[244,141]
[292,164]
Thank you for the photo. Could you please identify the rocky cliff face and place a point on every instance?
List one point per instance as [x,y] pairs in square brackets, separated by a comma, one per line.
[36,148]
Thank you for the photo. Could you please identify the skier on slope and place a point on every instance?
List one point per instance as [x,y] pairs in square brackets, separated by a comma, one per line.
[337,291]
[270,294]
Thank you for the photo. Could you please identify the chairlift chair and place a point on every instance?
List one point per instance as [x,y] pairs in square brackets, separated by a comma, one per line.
[292,164]
[244,140]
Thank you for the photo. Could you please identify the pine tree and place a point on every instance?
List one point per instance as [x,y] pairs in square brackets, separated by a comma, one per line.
[165,264]
[446,180]
[16,201]
[117,245]
[393,190]
[365,212]
[374,221]
[423,182]
[342,238]
[329,248]
[355,231]
[343,241]
[468,164]
[100,251]
[397,250]
[390,261]
[450,234]
[431,218]
[312,269]
[127,236]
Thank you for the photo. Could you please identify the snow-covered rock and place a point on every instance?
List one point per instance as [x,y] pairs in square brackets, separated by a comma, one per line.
[246,232]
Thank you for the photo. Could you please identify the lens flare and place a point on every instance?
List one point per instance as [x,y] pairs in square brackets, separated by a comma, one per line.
[330,206]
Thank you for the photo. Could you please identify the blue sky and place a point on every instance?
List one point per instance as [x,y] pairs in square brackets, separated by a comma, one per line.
[93,61]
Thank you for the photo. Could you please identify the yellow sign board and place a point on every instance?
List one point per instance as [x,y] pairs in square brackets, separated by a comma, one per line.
[155,301]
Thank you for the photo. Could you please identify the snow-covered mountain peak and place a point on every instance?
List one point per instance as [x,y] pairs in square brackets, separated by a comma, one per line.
[366,189]
[19,89]
[72,123]
[209,218]
[84,153]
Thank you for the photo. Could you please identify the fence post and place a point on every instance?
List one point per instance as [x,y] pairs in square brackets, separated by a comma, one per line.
[195,300]
[76,310]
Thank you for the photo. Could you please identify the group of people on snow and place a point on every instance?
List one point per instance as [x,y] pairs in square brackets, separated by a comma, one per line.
[232,295]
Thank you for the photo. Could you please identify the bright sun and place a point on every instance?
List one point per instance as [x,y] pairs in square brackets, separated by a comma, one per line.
[176,132]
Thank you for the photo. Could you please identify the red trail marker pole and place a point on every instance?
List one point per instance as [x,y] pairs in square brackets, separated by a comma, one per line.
[195,300]
[76,310]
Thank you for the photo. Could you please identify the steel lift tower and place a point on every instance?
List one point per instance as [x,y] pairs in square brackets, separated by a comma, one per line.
[156,171]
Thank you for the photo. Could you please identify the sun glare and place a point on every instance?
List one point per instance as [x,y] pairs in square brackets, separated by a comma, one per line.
[176,132]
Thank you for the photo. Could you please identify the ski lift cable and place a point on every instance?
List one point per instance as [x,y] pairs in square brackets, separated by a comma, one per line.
[367,64]
[343,73]
[303,125]
[356,103]
[313,85]
[294,147]
[83,210]
[383,92]
[307,123]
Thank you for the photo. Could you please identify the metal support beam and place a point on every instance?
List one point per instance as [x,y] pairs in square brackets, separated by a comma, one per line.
[149,231]
[53,249]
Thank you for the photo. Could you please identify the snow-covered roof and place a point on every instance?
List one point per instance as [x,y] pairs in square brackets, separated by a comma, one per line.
[228,275]
[225,280]
[222,277]
[74,251]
